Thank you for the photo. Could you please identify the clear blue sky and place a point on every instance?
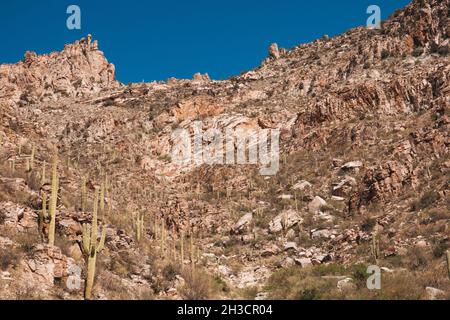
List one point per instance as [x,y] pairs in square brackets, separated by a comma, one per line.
[155,40]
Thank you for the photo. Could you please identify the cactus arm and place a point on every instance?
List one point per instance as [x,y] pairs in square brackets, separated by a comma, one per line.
[102,199]
[101,244]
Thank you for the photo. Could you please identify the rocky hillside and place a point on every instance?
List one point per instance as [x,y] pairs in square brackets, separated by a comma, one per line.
[363,179]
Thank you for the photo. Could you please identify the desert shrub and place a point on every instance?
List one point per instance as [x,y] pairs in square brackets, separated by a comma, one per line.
[198,285]
[425,201]
[444,50]
[27,293]
[428,199]
[9,257]
[417,52]
[249,293]
[329,269]
[295,283]
[417,258]
[64,244]
[439,215]
[439,248]
[170,272]
[368,224]
[221,284]
[27,241]
[400,286]
[34,181]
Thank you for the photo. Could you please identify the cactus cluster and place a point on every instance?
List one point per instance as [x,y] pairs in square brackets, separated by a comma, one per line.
[91,247]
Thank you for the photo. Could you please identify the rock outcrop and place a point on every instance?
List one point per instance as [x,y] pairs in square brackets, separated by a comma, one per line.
[79,70]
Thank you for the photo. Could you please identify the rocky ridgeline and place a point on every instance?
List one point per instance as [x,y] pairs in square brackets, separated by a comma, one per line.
[364,121]
[78,70]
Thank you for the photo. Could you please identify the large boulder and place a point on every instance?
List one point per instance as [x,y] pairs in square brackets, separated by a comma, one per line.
[243,223]
[284,221]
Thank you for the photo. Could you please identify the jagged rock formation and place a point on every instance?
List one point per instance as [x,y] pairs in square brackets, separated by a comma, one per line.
[364,121]
[79,70]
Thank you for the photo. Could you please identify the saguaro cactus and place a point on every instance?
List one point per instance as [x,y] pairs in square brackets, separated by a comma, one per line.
[163,237]
[91,248]
[27,165]
[375,248]
[139,226]
[43,180]
[33,152]
[102,200]
[83,194]
[53,199]
[43,215]
[12,165]
[182,249]
[192,251]
[448,263]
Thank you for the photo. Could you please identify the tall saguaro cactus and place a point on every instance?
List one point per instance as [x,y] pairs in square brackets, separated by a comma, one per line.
[33,152]
[91,247]
[448,263]
[182,249]
[375,248]
[83,194]
[139,226]
[53,199]
[43,180]
[43,215]
[102,200]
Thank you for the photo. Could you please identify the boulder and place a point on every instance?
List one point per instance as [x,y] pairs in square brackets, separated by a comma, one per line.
[352,165]
[434,294]
[315,205]
[284,221]
[243,223]
[302,185]
[274,53]
[303,262]
[346,284]
[344,187]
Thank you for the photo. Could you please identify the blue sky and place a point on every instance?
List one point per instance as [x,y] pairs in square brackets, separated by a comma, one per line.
[155,40]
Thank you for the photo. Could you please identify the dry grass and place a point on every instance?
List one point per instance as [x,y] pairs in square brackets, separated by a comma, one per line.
[198,285]
[9,258]
[296,283]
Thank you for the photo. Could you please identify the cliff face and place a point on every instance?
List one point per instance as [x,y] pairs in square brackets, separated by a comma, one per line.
[364,156]
[80,69]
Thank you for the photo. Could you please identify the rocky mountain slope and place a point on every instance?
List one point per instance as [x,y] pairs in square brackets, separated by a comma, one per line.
[363,179]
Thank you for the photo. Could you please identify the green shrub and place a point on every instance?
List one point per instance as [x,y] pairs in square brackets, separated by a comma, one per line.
[425,201]
[418,52]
